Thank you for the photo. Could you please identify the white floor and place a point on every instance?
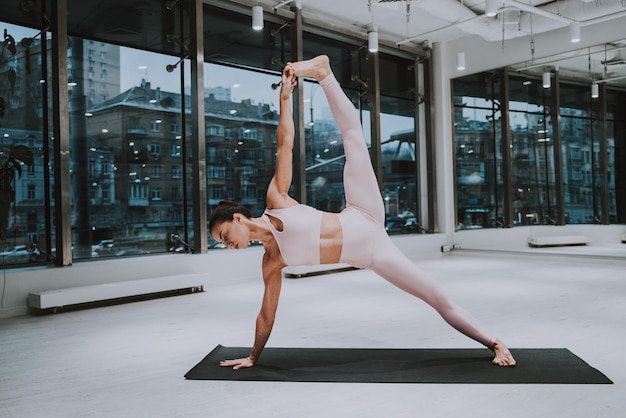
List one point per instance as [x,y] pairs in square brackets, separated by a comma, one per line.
[129,360]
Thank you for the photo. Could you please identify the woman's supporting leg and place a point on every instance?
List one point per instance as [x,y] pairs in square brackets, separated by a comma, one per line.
[396,268]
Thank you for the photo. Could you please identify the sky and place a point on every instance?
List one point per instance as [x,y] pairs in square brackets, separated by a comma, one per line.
[136,65]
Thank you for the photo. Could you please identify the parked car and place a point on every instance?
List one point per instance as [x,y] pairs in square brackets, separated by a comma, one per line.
[104,247]
[394,224]
[19,254]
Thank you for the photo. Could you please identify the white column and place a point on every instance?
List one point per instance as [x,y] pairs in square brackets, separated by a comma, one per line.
[443,131]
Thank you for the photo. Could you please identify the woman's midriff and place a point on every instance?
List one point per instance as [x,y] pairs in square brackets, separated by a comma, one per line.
[331,239]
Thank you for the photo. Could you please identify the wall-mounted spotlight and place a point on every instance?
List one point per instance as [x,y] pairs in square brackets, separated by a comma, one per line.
[460,61]
[169,4]
[172,38]
[372,38]
[574,32]
[28,6]
[178,244]
[32,248]
[546,80]
[257,17]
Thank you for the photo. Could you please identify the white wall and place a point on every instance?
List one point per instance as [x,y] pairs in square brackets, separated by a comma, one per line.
[516,239]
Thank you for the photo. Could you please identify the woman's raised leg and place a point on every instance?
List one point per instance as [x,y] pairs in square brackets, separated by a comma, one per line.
[360,184]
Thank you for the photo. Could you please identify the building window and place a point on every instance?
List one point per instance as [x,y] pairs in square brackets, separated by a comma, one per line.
[155,125]
[248,134]
[215,130]
[106,193]
[155,150]
[216,172]
[138,191]
[155,194]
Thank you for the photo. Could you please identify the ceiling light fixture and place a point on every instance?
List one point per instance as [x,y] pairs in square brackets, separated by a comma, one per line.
[460,61]
[257,17]
[546,80]
[574,32]
[372,31]
[595,90]
[491,8]
[372,38]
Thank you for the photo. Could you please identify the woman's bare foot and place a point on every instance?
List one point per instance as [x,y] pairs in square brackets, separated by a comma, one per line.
[503,355]
[317,68]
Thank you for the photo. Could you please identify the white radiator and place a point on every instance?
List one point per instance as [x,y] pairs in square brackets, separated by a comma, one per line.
[558,240]
[107,291]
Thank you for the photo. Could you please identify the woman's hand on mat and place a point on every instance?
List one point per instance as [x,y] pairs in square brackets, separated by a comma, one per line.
[237,364]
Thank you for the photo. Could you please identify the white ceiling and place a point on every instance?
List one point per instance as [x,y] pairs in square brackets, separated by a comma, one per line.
[424,22]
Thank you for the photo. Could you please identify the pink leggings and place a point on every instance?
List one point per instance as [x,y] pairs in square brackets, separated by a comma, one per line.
[365,240]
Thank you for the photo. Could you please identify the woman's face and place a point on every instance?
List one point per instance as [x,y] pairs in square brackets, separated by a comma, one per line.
[233,234]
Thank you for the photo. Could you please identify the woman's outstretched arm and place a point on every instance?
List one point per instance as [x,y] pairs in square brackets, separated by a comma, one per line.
[278,191]
[272,277]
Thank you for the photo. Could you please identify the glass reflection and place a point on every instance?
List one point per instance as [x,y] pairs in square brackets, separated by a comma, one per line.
[478,134]
[241,120]
[126,137]
[22,111]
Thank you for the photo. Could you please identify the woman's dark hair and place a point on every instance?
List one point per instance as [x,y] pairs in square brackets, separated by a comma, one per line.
[224,213]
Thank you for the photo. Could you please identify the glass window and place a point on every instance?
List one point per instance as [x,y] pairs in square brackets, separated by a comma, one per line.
[238,125]
[22,201]
[478,151]
[128,211]
[324,154]
[532,151]
[616,134]
[398,142]
[532,154]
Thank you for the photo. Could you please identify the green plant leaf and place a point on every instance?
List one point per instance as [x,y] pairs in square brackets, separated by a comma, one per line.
[22,153]
[12,76]
[17,167]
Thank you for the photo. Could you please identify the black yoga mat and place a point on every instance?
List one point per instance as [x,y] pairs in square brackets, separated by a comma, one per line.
[534,365]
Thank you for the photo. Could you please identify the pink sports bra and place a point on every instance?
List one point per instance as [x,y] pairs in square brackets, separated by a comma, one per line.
[299,241]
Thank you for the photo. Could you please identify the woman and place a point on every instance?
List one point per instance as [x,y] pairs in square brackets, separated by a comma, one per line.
[295,234]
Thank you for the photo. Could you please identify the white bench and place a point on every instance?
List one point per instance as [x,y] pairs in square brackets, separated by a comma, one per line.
[296,272]
[54,299]
[557,240]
